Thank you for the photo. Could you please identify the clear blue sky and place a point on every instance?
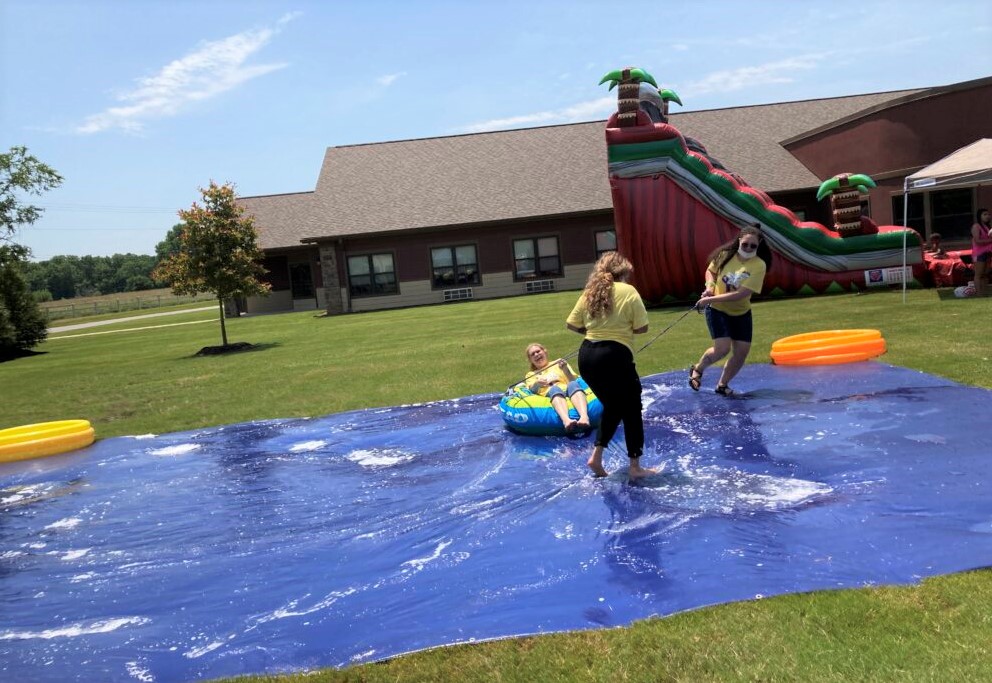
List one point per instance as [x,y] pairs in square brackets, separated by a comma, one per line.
[138,103]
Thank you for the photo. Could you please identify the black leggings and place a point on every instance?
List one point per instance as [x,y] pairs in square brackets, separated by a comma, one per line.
[608,368]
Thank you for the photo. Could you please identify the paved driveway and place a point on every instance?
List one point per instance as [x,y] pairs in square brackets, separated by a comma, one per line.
[83,326]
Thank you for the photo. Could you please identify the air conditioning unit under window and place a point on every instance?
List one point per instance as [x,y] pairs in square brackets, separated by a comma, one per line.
[458,294]
[540,286]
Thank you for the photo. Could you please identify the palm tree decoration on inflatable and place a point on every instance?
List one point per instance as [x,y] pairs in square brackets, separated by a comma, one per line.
[845,190]
[639,90]
[673,203]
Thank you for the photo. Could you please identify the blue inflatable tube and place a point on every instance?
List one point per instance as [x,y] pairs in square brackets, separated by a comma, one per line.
[525,412]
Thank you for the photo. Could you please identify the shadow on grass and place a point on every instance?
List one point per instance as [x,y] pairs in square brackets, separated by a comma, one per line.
[230,349]
[14,354]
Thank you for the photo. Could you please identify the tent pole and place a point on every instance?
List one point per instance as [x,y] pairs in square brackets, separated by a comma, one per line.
[905,225]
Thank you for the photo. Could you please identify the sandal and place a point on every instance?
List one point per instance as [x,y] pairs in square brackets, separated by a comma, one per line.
[724,390]
[695,377]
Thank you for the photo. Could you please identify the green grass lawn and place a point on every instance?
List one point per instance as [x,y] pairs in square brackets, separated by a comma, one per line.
[149,380]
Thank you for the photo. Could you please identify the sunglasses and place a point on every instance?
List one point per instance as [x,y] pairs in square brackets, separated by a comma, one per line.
[749,246]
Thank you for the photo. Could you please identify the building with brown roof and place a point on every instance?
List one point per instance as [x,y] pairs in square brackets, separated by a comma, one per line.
[487,215]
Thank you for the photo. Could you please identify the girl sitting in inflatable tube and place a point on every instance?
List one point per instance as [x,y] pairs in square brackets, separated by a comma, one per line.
[541,403]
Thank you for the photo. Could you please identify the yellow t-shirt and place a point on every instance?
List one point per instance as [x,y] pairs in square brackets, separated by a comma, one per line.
[627,315]
[738,273]
[553,374]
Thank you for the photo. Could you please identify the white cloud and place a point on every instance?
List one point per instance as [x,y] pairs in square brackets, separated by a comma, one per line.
[584,111]
[749,76]
[389,79]
[210,70]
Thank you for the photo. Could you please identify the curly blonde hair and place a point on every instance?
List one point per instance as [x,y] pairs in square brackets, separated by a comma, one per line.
[611,267]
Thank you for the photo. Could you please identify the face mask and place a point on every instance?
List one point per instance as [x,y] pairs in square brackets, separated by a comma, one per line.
[745,255]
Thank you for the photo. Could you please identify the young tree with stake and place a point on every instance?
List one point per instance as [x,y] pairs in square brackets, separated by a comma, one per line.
[218,251]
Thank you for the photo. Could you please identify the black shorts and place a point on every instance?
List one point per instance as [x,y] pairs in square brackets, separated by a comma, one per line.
[722,325]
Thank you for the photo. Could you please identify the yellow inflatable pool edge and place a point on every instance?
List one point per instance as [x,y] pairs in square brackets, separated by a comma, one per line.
[828,347]
[44,439]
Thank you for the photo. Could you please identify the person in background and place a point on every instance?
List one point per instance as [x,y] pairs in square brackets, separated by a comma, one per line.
[556,380]
[934,247]
[609,313]
[981,250]
[736,270]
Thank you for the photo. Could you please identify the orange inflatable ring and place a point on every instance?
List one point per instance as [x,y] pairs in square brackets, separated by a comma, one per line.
[44,439]
[828,347]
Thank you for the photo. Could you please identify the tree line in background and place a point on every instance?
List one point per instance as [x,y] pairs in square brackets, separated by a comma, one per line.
[65,277]
[214,249]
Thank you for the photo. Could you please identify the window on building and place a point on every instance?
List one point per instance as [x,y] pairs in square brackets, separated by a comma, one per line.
[372,275]
[952,213]
[301,280]
[606,240]
[917,221]
[534,258]
[455,266]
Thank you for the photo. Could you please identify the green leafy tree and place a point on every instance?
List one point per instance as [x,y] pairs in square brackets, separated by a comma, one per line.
[171,244]
[21,173]
[218,251]
[64,277]
[22,324]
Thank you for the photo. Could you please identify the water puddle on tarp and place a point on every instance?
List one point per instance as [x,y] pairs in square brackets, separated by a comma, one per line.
[293,544]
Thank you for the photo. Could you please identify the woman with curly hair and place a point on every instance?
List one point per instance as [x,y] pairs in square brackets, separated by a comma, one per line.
[736,270]
[609,313]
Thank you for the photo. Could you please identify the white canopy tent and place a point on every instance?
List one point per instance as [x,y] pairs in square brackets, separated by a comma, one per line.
[969,166]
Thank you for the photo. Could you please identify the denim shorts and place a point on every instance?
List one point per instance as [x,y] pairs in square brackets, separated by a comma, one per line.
[572,387]
[737,327]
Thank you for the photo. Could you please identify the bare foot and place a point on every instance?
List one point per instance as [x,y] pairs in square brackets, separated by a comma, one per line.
[636,471]
[595,462]
[597,468]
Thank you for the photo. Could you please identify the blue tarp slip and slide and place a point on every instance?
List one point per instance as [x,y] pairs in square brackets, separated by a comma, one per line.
[291,544]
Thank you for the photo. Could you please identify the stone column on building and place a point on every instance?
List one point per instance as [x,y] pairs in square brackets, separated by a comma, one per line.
[332,285]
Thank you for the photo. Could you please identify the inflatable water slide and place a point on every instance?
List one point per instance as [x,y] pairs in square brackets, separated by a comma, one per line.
[673,204]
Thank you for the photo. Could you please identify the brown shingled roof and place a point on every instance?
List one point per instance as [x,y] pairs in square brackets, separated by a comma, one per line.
[280,219]
[532,172]
[747,140]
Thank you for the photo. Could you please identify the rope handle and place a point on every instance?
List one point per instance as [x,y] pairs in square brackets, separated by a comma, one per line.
[575,353]
[537,372]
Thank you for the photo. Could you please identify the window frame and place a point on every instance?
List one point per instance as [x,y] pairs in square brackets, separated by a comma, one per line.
[917,222]
[371,274]
[476,280]
[939,224]
[595,237]
[538,274]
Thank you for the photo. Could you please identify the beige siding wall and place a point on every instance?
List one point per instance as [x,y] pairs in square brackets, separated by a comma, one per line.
[275,301]
[494,285]
[419,293]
